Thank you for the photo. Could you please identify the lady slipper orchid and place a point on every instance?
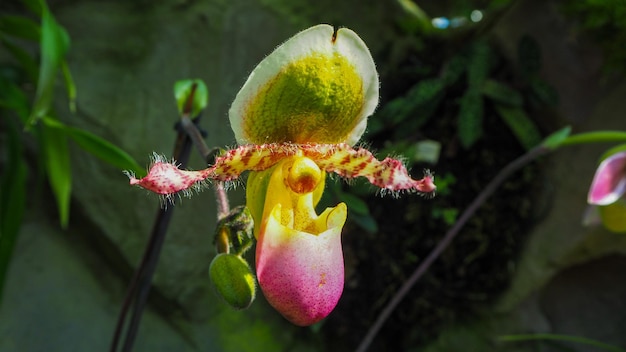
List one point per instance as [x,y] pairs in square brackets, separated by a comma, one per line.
[296,118]
[608,189]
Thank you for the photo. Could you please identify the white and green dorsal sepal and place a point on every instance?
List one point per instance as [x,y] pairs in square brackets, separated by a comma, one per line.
[320,86]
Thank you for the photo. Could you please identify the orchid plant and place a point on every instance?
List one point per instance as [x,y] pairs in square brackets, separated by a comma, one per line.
[296,119]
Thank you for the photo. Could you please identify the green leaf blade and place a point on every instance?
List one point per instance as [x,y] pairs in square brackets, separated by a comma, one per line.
[98,147]
[501,93]
[12,202]
[555,140]
[20,27]
[54,45]
[470,118]
[521,125]
[58,167]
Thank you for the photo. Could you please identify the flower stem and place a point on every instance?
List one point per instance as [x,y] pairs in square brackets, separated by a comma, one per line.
[139,287]
[223,207]
[595,137]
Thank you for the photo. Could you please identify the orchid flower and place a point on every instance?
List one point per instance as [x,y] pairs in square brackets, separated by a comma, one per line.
[608,189]
[297,118]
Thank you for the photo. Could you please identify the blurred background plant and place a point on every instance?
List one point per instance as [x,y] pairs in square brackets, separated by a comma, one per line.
[34,141]
[605,23]
[452,102]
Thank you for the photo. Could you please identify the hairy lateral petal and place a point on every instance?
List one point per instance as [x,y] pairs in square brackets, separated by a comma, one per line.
[389,174]
[166,178]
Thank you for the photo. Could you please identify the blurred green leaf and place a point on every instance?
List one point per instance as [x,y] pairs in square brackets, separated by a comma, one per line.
[501,93]
[28,63]
[57,163]
[12,97]
[544,92]
[421,18]
[98,147]
[454,68]
[522,126]
[54,45]
[562,338]
[12,200]
[480,61]
[448,215]
[470,118]
[36,6]
[69,85]
[529,56]
[414,109]
[354,203]
[366,222]
[20,27]
[182,91]
[554,140]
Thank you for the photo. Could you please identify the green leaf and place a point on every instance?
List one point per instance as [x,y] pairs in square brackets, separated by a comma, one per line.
[69,85]
[470,118]
[479,64]
[366,222]
[544,92]
[98,147]
[501,93]
[415,108]
[20,27]
[529,56]
[57,163]
[12,97]
[12,201]
[182,91]
[354,203]
[563,338]
[554,140]
[36,6]
[454,68]
[54,45]
[24,58]
[522,126]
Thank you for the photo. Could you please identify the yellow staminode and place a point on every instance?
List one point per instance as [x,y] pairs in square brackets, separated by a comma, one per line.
[318,87]
[317,98]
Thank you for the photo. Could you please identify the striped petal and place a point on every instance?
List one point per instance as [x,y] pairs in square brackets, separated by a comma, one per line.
[389,174]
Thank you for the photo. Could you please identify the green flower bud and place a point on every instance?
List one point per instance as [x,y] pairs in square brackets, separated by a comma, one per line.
[233,279]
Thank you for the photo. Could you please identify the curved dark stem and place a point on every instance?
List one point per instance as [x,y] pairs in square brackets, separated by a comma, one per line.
[153,251]
[505,173]
[140,285]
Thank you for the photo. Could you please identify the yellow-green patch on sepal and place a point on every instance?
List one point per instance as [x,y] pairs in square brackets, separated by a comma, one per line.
[318,87]
[614,216]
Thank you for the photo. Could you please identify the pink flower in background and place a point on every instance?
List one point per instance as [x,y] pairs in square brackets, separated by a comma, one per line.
[609,182]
